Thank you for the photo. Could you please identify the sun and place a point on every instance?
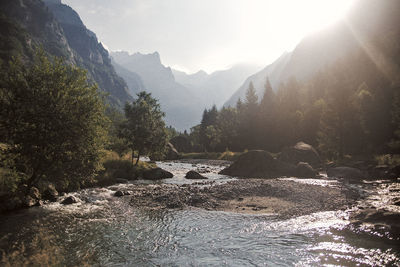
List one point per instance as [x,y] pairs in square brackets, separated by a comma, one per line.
[279,25]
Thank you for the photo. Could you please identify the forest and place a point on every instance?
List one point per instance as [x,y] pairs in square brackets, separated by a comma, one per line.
[347,109]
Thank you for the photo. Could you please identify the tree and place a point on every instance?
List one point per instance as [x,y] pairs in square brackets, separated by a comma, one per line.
[248,119]
[209,119]
[144,128]
[115,143]
[227,124]
[52,120]
[266,119]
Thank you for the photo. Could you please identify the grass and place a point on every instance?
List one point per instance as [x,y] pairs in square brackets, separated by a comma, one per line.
[120,167]
[41,250]
[46,253]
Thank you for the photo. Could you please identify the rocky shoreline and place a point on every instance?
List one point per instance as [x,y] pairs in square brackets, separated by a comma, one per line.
[281,198]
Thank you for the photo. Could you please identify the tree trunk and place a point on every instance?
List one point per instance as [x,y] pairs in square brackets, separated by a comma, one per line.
[137,160]
[132,156]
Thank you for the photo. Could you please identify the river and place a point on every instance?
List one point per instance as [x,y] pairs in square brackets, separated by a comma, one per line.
[103,230]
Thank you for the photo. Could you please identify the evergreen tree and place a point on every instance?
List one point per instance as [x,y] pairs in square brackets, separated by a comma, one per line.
[209,119]
[289,114]
[266,135]
[248,120]
[251,97]
[227,124]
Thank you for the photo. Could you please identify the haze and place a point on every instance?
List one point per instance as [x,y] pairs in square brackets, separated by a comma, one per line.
[207,34]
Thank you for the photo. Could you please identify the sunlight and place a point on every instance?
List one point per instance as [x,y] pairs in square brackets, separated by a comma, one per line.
[282,24]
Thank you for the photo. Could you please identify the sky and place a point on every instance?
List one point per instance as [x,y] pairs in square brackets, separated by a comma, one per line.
[208,35]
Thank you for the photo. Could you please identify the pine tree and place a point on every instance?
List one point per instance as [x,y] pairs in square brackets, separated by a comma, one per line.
[251,96]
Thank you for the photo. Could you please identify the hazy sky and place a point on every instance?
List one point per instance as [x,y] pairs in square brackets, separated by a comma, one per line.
[207,34]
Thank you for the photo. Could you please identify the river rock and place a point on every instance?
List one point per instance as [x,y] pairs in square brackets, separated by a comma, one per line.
[157,174]
[119,193]
[34,193]
[258,164]
[50,193]
[69,200]
[194,175]
[29,201]
[301,152]
[347,173]
[380,220]
[304,170]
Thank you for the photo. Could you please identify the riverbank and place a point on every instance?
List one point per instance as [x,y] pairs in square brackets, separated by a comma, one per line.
[281,198]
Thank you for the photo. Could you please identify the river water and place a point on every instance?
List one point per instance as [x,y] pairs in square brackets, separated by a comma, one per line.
[103,230]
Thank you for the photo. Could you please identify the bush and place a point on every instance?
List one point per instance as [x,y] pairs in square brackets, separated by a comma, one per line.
[119,168]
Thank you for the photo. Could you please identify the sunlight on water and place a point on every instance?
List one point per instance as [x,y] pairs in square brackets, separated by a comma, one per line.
[104,230]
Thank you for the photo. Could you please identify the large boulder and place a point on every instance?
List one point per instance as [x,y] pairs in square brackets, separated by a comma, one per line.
[69,200]
[157,174]
[347,173]
[181,143]
[50,193]
[304,170]
[194,175]
[301,152]
[171,153]
[34,193]
[258,164]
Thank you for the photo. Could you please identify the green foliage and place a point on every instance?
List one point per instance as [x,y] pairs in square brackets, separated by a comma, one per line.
[52,120]
[205,136]
[115,143]
[119,168]
[144,128]
[172,132]
[251,96]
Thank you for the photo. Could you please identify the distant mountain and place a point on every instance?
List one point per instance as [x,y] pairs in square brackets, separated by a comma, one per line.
[314,52]
[182,107]
[273,71]
[217,86]
[133,80]
[26,24]
[371,25]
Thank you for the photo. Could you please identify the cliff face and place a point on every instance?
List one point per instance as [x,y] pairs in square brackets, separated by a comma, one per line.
[182,107]
[26,24]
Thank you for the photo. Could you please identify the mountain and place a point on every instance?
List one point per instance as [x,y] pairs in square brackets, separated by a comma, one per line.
[133,80]
[360,29]
[314,52]
[27,24]
[218,85]
[273,71]
[182,107]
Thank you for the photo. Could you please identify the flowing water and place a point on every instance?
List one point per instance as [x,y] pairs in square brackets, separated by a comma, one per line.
[106,231]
